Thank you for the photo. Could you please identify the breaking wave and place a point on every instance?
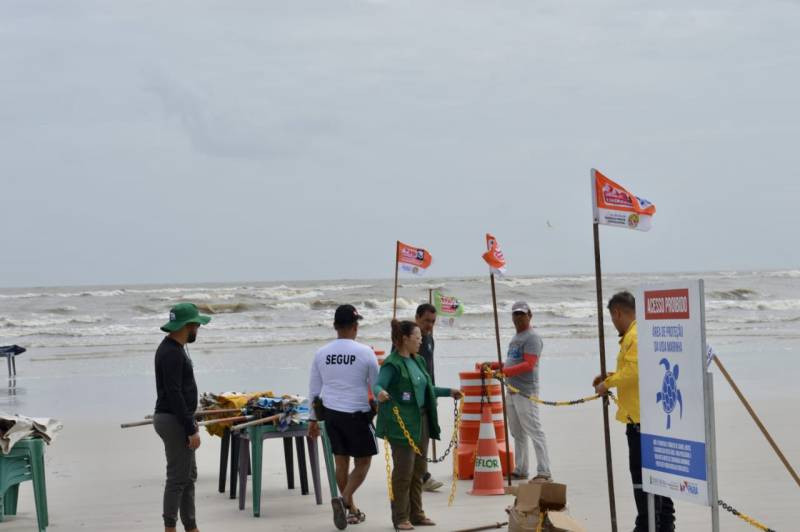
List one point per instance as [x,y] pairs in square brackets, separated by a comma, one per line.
[755,305]
[737,294]
[67,309]
[222,308]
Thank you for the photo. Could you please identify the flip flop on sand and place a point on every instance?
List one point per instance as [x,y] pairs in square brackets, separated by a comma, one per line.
[339,513]
[355,517]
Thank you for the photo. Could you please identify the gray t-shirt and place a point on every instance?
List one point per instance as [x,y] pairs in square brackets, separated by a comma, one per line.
[525,342]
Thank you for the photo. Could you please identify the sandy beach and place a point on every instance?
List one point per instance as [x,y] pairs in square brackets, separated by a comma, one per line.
[100,477]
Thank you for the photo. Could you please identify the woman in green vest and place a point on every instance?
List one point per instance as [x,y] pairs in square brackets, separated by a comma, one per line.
[404,383]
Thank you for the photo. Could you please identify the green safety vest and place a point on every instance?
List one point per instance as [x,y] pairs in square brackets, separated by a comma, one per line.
[387,426]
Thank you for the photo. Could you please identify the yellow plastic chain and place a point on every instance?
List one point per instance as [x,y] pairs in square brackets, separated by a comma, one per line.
[456,427]
[413,445]
[502,378]
[389,489]
[744,517]
[541,521]
[396,412]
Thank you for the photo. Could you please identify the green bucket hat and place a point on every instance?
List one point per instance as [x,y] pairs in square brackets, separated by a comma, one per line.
[182,314]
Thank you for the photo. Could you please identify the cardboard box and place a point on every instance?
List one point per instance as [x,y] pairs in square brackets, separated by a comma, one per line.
[562,522]
[535,497]
[522,521]
[554,522]
[539,495]
[552,495]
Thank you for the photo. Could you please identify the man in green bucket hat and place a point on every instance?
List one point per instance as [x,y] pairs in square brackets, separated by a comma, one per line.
[174,414]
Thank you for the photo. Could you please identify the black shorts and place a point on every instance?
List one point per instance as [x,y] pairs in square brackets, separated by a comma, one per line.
[350,434]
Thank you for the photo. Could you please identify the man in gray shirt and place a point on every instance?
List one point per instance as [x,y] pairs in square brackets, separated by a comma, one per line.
[521,368]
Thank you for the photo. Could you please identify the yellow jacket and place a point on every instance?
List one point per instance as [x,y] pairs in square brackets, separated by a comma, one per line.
[626,378]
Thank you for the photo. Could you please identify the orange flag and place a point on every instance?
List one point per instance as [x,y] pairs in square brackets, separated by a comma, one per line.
[494,256]
[413,260]
[614,205]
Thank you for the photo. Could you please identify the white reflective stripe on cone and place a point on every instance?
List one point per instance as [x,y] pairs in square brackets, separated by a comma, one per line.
[477,399]
[477,417]
[487,432]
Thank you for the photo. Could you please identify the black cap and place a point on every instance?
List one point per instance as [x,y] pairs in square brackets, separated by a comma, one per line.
[346,315]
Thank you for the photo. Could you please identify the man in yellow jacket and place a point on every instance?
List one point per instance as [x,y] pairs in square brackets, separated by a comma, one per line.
[622,308]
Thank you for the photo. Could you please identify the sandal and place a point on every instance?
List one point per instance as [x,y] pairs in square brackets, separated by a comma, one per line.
[356,516]
[339,513]
[424,522]
[404,526]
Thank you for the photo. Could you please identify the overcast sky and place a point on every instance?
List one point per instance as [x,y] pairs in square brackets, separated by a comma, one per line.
[165,142]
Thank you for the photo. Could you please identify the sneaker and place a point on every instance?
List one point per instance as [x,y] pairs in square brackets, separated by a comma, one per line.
[431,484]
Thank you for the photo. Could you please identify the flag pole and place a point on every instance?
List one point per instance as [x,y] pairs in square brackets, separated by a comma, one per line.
[601,336]
[502,384]
[396,273]
[430,301]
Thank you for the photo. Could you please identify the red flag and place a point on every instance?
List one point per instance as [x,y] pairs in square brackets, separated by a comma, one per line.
[494,256]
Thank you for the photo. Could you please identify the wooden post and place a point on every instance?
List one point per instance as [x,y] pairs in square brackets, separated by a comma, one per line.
[136,424]
[502,384]
[612,505]
[236,419]
[486,527]
[755,417]
[396,274]
[261,421]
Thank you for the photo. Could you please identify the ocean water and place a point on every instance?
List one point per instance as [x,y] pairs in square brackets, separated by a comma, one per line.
[746,305]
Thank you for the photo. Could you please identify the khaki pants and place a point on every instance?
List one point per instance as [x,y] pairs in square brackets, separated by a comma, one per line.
[524,424]
[409,468]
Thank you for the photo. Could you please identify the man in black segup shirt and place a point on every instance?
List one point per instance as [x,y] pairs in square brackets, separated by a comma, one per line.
[174,418]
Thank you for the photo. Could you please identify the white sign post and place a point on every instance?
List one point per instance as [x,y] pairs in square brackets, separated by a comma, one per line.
[676,395]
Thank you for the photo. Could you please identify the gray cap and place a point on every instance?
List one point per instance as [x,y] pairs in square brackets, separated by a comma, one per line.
[520,306]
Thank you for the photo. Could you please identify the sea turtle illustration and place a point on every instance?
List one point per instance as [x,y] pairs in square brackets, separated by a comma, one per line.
[669,394]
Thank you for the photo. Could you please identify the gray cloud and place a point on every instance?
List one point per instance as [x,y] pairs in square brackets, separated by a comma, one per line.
[271,125]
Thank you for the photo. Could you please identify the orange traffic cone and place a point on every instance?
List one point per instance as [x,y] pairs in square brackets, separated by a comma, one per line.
[488,478]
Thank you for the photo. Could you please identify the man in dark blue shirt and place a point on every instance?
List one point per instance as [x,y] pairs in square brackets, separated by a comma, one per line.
[174,414]
[426,319]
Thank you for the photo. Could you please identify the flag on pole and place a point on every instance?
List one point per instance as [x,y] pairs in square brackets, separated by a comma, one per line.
[413,260]
[447,307]
[494,257]
[615,205]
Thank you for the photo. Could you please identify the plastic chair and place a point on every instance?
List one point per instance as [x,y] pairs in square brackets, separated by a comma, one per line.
[11,352]
[24,462]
